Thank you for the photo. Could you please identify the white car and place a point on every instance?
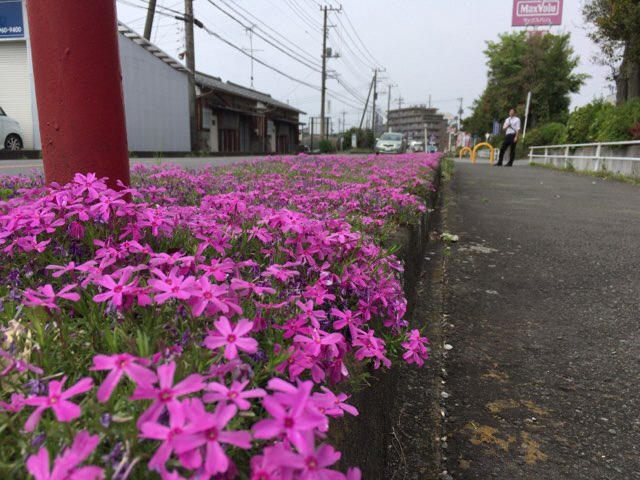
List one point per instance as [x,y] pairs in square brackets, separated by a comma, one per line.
[10,132]
[391,142]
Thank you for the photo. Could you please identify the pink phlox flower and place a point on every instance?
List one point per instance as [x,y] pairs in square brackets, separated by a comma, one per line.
[61,269]
[261,234]
[16,405]
[291,410]
[318,339]
[295,326]
[107,249]
[309,462]
[88,183]
[232,338]
[416,348]
[272,464]
[333,405]
[346,319]
[216,239]
[308,313]
[235,394]
[115,292]
[166,434]
[280,273]
[105,203]
[57,400]
[208,297]
[166,393]
[297,363]
[370,347]
[175,259]
[30,243]
[66,466]
[171,286]
[18,364]
[318,293]
[119,365]
[45,296]
[245,288]
[208,430]
[219,269]
[94,270]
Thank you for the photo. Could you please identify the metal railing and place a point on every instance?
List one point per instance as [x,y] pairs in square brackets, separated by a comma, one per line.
[597,157]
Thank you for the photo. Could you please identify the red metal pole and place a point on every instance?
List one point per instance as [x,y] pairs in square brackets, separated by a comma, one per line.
[76,66]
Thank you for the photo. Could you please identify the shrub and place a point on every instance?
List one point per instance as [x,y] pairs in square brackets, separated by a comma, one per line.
[325,146]
[584,122]
[617,121]
[547,134]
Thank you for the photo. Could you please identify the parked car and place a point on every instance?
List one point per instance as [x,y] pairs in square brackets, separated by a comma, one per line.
[432,149]
[391,142]
[416,146]
[10,132]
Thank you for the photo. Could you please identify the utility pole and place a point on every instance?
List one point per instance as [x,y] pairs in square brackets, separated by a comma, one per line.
[429,100]
[389,105]
[375,95]
[249,30]
[191,66]
[366,104]
[148,26]
[460,112]
[400,99]
[344,122]
[323,93]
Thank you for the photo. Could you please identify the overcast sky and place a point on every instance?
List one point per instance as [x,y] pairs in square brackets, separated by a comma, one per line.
[428,47]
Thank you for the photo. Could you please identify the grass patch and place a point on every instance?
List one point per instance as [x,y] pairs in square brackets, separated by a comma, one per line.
[599,174]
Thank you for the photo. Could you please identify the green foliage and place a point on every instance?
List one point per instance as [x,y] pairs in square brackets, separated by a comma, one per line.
[551,133]
[617,122]
[518,64]
[584,122]
[326,146]
[615,25]
[366,138]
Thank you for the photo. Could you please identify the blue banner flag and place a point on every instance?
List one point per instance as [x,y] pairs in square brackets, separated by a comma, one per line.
[496,127]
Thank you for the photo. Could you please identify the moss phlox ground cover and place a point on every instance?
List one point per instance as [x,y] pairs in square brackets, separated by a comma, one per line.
[200,323]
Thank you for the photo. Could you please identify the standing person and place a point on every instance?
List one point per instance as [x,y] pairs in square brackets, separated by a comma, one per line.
[511,128]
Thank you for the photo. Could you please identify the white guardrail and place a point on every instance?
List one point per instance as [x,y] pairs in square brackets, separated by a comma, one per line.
[613,157]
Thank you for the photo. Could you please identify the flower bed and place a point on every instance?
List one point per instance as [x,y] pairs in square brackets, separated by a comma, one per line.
[200,324]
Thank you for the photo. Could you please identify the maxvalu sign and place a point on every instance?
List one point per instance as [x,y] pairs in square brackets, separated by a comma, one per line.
[536,12]
[11,20]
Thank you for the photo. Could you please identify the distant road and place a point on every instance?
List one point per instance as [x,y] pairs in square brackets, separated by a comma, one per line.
[15,167]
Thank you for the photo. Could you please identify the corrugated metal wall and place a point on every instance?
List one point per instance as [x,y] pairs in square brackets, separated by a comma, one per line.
[15,89]
[156,101]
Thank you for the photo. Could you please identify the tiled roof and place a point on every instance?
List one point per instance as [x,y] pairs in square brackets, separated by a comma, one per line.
[235,89]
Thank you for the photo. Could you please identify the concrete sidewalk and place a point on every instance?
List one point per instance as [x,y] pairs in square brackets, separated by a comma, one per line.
[542,299]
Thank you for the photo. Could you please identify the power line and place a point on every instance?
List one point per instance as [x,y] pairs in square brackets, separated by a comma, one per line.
[290,55]
[256,21]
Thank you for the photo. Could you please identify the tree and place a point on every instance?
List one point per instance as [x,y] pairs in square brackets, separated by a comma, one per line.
[616,31]
[521,63]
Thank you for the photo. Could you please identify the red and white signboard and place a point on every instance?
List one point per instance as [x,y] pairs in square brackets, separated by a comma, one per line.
[531,13]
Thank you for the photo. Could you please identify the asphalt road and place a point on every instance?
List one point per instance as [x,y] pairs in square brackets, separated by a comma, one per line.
[15,167]
[542,303]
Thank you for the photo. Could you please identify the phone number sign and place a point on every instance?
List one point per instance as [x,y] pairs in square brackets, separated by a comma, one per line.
[11,20]
[536,12]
